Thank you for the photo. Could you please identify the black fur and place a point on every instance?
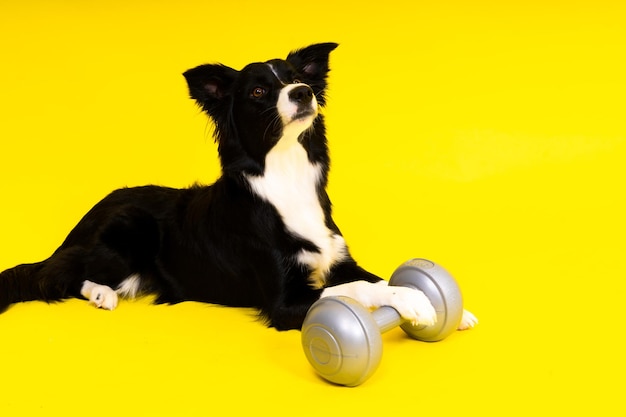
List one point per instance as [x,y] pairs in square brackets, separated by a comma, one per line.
[220,243]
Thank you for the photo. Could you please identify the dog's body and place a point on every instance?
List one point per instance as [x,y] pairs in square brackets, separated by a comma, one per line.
[261,236]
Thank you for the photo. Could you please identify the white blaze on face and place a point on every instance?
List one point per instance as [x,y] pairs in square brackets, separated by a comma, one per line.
[288,109]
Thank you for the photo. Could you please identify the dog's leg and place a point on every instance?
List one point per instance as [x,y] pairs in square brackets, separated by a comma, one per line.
[413,305]
[125,241]
[105,297]
[352,281]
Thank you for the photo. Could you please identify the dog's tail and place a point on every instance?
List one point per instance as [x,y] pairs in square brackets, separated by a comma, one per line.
[19,284]
[30,282]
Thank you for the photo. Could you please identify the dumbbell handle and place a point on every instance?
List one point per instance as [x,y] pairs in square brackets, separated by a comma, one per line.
[387,318]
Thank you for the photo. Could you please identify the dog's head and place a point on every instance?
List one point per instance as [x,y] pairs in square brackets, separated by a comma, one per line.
[253,109]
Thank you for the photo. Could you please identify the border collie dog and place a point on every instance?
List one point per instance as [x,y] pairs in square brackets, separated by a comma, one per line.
[261,236]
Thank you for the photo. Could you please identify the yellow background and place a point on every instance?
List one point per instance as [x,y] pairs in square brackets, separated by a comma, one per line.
[489,136]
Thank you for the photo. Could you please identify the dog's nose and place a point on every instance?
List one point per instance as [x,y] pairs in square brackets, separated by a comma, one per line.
[302,94]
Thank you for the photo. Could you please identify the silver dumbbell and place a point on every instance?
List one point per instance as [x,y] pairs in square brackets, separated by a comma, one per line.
[342,339]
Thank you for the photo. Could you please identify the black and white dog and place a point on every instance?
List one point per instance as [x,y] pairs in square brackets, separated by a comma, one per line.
[261,236]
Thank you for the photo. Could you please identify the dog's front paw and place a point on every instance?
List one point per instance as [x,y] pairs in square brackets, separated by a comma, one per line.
[413,306]
[467,321]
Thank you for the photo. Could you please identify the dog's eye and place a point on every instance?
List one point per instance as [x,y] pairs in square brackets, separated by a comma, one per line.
[258,92]
[297,81]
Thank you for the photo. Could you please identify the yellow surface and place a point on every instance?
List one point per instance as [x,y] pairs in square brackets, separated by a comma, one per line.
[489,136]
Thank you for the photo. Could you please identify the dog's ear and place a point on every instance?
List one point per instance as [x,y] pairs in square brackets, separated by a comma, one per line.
[210,84]
[312,63]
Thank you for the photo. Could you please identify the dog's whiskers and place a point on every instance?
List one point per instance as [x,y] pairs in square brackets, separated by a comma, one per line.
[321,93]
[271,126]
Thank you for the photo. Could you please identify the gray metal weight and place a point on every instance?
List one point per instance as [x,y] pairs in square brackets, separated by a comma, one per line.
[342,339]
[442,291]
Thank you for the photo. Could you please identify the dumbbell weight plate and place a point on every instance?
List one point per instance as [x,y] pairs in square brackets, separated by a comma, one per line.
[347,348]
[442,291]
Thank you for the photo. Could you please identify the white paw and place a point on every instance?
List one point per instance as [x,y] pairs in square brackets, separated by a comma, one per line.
[413,305]
[103,297]
[467,321]
[100,296]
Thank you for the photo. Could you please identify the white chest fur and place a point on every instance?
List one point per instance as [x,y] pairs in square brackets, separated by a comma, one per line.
[290,184]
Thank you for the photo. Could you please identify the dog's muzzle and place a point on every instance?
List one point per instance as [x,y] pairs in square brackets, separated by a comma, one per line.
[297,103]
